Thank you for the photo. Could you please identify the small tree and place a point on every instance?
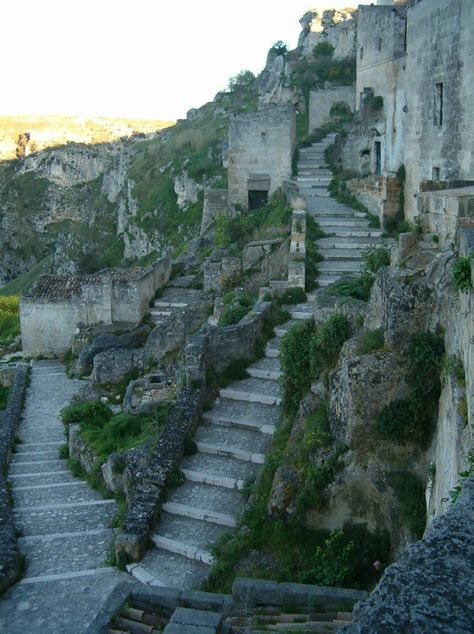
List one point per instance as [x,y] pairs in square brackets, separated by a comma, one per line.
[244,79]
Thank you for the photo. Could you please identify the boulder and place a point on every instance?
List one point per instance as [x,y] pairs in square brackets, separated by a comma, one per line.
[113,365]
[106,341]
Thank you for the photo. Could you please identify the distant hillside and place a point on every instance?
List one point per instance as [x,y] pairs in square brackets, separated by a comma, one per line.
[24,134]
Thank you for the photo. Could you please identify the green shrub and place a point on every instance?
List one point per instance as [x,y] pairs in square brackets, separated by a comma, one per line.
[411,498]
[371,341]
[350,287]
[4,391]
[425,358]
[237,305]
[462,274]
[279,48]
[326,344]
[90,412]
[293,296]
[398,421]
[313,230]
[323,49]
[295,364]
[313,257]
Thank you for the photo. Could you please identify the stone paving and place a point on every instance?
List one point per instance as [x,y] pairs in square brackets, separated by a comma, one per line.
[348,230]
[231,444]
[63,525]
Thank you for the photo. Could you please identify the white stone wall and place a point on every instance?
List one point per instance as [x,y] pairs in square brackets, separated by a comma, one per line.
[321,102]
[260,143]
[440,48]
[47,328]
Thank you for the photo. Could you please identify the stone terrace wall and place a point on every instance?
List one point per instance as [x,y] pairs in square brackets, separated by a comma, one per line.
[215,204]
[261,144]
[9,421]
[321,102]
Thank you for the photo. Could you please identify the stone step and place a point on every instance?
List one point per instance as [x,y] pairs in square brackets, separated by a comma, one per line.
[204,477]
[340,213]
[31,457]
[231,452]
[65,518]
[64,576]
[272,349]
[64,492]
[347,243]
[182,548]
[200,495]
[266,368]
[341,254]
[197,534]
[336,266]
[216,466]
[230,413]
[66,553]
[44,466]
[38,447]
[314,192]
[49,477]
[160,567]
[232,441]
[327,280]
[163,304]
[281,331]
[253,390]
[155,312]
[352,232]
[302,311]
[200,513]
[337,221]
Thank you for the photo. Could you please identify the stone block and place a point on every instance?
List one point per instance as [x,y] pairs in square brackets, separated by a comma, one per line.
[186,628]
[112,366]
[204,600]
[152,598]
[132,545]
[320,597]
[203,618]
[253,592]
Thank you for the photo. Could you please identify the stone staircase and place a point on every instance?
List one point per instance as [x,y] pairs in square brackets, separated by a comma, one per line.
[63,525]
[348,231]
[231,443]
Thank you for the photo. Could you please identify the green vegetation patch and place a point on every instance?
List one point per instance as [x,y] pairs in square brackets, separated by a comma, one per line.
[237,305]
[371,341]
[462,273]
[411,498]
[4,392]
[106,433]
[9,319]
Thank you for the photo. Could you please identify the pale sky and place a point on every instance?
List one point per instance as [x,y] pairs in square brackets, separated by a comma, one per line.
[137,58]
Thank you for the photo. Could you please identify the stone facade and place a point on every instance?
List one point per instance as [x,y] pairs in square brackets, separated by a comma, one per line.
[261,147]
[52,311]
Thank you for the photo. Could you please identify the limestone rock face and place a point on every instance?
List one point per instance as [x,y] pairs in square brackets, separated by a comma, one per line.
[112,366]
[400,304]
[186,189]
[338,27]
[283,493]
[431,588]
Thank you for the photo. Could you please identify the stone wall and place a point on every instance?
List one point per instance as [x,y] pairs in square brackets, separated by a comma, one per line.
[381,67]
[321,102]
[380,194]
[144,507]
[440,50]
[9,421]
[261,147]
[329,25]
[215,204]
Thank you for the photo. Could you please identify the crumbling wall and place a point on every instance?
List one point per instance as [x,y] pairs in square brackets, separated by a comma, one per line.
[321,101]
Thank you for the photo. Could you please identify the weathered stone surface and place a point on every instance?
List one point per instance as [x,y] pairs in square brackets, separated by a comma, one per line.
[105,342]
[285,485]
[144,395]
[431,588]
[113,365]
[400,303]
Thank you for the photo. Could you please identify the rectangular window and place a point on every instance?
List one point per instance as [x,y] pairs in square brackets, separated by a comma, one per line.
[438,104]
[435,174]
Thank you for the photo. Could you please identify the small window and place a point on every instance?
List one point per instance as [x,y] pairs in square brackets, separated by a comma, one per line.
[361,52]
[380,44]
[438,104]
[435,174]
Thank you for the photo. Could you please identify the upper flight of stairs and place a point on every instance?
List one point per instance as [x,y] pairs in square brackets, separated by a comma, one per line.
[348,231]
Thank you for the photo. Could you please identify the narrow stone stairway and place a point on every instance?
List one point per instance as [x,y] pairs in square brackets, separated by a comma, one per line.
[348,230]
[63,525]
[231,443]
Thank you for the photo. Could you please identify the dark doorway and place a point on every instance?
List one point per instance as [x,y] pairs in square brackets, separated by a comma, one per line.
[257,198]
[378,158]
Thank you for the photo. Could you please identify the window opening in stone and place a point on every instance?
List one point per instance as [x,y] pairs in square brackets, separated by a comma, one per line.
[257,198]
[438,104]
[405,37]
[378,158]
[380,44]
[361,52]
[435,174]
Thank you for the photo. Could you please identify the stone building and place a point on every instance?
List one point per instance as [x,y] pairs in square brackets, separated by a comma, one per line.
[415,84]
[57,304]
[261,148]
